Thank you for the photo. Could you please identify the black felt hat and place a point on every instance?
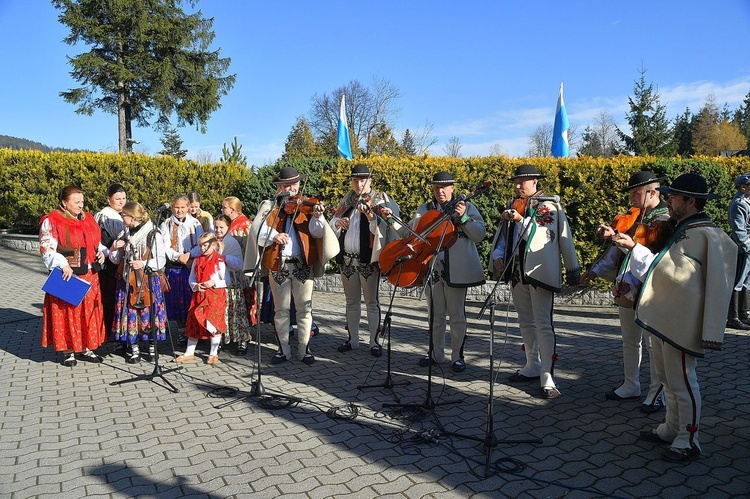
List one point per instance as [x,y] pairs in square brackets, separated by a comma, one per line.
[526,172]
[288,175]
[641,178]
[690,185]
[360,171]
[443,178]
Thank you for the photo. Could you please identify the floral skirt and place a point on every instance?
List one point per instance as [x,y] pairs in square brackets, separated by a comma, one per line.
[207,306]
[133,325]
[65,327]
[178,297]
[241,315]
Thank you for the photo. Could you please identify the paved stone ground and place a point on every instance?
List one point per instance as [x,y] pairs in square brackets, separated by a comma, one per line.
[70,433]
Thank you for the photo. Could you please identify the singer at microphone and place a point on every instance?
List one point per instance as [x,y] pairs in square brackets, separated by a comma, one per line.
[528,253]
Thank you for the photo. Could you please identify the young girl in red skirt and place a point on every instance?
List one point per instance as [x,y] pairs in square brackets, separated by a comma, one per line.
[208,307]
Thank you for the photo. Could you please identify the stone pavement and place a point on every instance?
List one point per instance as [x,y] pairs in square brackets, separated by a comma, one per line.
[70,433]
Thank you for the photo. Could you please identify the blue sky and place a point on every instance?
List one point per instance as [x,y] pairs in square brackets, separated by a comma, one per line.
[487,72]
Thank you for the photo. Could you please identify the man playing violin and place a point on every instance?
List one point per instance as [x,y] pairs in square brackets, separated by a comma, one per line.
[697,268]
[532,236]
[648,209]
[298,242]
[455,269]
[362,234]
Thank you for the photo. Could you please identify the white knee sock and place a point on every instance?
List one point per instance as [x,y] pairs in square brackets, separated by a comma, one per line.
[190,350]
[215,342]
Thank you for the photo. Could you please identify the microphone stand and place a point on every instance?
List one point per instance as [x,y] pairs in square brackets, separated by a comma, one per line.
[256,387]
[489,440]
[429,404]
[388,383]
[158,372]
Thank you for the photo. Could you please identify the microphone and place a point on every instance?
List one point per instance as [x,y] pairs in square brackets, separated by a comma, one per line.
[162,207]
[402,259]
[554,199]
[283,195]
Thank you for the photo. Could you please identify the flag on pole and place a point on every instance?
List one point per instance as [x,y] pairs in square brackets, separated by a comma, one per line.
[345,148]
[560,147]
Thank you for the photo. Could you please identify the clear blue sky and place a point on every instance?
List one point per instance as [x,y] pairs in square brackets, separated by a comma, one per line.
[485,71]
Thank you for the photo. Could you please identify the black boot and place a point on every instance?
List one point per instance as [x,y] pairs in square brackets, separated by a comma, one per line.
[733,320]
[743,312]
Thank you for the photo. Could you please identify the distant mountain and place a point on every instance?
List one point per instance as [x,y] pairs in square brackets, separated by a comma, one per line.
[9,142]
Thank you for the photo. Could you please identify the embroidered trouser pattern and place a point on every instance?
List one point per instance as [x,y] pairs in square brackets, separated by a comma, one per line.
[361,280]
[286,284]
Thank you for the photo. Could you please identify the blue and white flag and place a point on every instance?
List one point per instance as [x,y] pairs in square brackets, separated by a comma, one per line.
[345,148]
[560,146]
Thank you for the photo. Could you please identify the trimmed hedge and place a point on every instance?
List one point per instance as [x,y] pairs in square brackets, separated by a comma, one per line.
[591,188]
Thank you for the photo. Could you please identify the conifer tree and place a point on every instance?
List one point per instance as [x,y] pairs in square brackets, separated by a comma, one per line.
[146,62]
[650,132]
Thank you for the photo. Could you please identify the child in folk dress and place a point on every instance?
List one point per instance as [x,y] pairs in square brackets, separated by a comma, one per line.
[207,314]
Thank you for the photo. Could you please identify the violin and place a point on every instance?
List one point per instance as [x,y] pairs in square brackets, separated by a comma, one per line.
[653,235]
[300,204]
[435,232]
[140,295]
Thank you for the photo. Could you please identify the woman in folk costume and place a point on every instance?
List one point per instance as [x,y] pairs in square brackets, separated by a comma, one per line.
[238,323]
[112,229]
[180,233]
[138,293]
[207,317]
[70,239]
[361,234]
[194,208]
[531,238]
[239,226]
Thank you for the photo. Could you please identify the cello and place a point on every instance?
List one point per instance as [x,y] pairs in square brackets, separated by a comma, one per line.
[435,232]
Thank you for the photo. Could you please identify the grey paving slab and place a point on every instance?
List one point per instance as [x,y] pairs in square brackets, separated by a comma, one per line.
[70,433]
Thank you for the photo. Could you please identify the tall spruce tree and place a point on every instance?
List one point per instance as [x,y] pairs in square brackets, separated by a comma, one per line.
[300,142]
[649,126]
[147,61]
[682,133]
[407,144]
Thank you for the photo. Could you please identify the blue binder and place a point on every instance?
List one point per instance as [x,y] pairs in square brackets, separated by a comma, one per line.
[71,291]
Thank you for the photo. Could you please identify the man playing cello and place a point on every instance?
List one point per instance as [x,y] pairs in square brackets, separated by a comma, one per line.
[455,269]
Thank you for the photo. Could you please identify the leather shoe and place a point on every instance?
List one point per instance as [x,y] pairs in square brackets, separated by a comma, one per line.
[89,356]
[613,396]
[425,361]
[650,409]
[376,351]
[70,360]
[737,324]
[345,347]
[459,366]
[241,350]
[183,358]
[681,455]
[550,392]
[521,378]
[212,359]
[308,359]
[652,436]
[278,358]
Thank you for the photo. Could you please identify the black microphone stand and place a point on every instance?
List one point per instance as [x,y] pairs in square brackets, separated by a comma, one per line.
[256,387]
[489,440]
[158,372]
[429,404]
[388,383]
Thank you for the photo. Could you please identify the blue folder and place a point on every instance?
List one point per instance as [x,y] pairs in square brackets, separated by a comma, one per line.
[71,291]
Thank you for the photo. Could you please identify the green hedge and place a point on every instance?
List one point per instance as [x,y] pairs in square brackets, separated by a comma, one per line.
[591,188]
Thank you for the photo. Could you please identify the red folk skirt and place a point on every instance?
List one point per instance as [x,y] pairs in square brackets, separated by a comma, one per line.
[65,327]
[207,306]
